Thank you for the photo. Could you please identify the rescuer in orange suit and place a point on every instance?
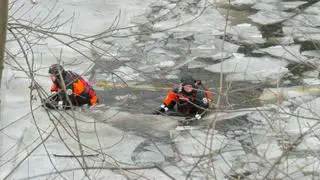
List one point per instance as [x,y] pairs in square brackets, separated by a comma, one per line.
[190,99]
[69,89]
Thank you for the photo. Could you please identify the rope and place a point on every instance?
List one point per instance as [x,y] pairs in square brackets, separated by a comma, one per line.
[147,87]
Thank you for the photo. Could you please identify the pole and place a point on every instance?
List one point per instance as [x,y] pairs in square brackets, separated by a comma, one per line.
[3,32]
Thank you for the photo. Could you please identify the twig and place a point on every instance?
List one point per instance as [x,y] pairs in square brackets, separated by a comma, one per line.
[84,155]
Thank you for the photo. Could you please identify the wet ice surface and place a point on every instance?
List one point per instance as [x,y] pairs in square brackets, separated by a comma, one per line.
[252,69]
[123,134]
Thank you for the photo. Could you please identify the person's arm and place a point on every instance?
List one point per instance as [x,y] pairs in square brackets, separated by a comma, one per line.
[207,93]
[54,88]
[52,101]
[168,102]
[66,93]
[202,101]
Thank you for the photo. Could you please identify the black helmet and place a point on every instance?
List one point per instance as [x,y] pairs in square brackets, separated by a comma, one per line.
[56,69]
[187,79]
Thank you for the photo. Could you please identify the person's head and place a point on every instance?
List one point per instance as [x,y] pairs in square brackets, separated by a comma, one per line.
[55,71]
[187,83]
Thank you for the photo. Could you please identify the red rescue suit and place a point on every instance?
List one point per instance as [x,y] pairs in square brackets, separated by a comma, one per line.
[76,88]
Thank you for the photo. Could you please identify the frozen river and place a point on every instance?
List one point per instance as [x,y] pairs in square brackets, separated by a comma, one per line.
[266,51]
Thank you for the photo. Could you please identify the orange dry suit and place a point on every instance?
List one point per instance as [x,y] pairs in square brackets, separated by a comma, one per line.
[77,90]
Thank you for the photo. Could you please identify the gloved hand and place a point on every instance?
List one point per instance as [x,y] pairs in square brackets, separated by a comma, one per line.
[69,92]
[49,104]
[205,100]
[163,108]
[60,105]
[198,116]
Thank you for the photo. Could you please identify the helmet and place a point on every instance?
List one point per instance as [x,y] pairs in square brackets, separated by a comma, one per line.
[56,69]
[187,79]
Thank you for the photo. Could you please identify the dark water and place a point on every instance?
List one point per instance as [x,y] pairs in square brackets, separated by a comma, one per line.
[236,94]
